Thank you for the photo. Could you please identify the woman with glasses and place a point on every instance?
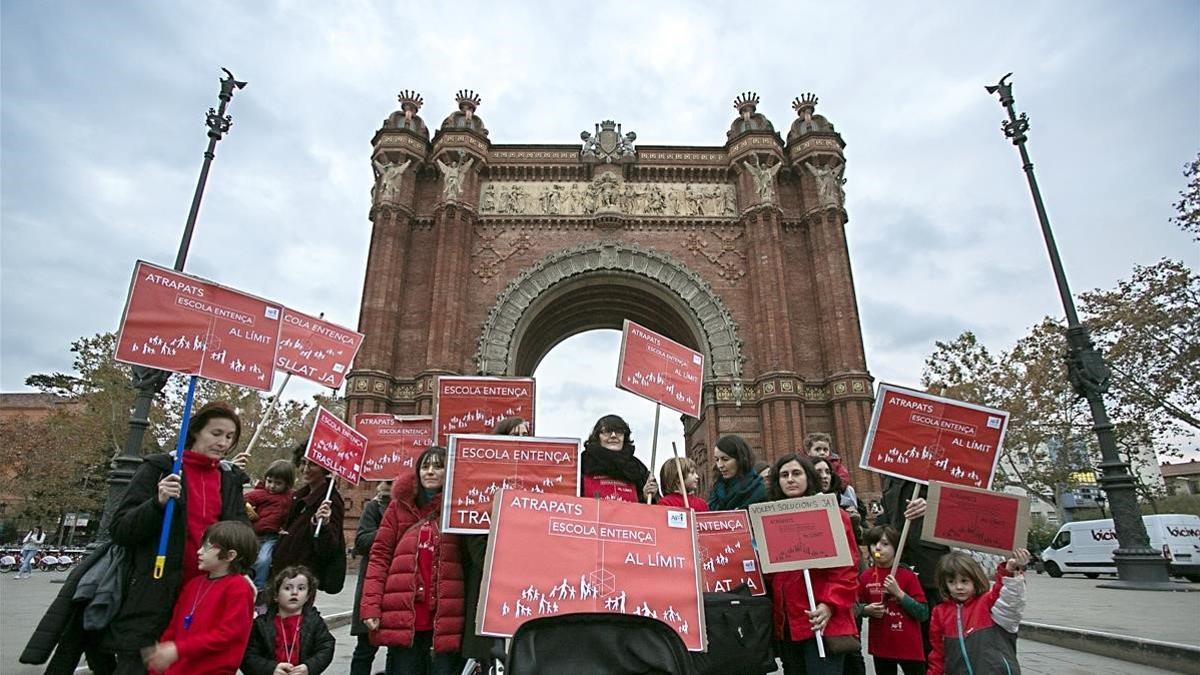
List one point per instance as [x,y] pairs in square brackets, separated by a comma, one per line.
[610,470]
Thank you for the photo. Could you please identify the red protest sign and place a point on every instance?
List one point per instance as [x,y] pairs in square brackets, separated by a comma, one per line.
[727,556]
[474,405]
[479,466]
[184,324]
[336,446]
[551,555]
[800,533]
[994,522]
[922,437]
[316,349]
[394,442]
[660,369]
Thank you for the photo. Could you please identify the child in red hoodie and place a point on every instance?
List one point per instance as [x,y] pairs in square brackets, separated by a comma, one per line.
[210,624]
[669,480]
[267,506]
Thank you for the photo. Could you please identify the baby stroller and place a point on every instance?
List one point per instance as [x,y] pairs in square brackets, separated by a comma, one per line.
[597,644]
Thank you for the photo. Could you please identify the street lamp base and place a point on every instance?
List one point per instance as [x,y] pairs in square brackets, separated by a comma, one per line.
[1166,586]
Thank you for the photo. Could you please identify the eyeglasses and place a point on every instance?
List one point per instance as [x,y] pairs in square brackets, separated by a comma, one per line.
[611,432]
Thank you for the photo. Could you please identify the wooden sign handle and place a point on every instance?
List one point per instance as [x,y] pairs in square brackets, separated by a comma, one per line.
[904,533]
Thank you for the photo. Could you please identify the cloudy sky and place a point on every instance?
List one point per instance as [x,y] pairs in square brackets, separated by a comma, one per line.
[102,108]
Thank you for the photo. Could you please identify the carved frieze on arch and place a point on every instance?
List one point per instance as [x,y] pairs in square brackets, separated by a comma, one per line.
[707,315]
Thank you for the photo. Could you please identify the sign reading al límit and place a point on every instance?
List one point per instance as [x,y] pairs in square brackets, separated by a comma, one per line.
[922,437]
[184,324]
[316,349]
[982,520]
[551,555]
[480,466]
[726,553]
[336,446]
[660,369]
[800,533]
[394,442]
[474,405]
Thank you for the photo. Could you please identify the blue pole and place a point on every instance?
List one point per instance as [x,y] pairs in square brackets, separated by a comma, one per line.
[160,561]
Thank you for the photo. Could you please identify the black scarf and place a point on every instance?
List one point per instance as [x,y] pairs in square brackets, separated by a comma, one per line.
[622,465]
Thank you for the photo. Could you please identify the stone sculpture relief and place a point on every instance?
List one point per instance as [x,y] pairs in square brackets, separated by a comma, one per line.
[829,183]
[764,179]
[387,179]
[608,194]
[452,174]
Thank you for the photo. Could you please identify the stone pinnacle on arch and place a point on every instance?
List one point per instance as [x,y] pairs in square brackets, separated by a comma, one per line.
[407,117]
[749,119]
[410,103]
[807,121]
[465,118]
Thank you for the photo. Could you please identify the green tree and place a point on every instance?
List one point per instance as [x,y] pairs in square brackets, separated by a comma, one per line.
[1187,209]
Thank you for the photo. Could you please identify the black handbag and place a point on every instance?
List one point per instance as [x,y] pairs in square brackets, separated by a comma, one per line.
[740,628]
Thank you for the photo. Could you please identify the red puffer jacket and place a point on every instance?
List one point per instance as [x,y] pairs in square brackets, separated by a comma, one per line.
[392,582]
[836,587]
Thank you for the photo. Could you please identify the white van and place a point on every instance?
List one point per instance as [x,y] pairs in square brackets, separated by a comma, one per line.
[1086,547]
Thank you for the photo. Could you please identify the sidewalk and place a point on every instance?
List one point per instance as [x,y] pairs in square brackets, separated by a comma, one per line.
[1069,602]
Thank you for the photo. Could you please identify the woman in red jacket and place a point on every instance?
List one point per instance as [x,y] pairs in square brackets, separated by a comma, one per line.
[412,599]
[835,589]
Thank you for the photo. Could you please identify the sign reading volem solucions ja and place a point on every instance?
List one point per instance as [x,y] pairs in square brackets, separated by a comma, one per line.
[922,437]
[474,405]
[800,533]
[551,555]
[394,442]
[661,370]
[480,466]
[184,324]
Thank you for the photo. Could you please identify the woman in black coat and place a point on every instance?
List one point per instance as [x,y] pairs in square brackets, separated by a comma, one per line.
[299,543]
[137,522]
[368,524]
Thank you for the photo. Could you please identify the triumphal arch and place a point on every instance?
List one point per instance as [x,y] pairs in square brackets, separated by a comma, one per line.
[484,256]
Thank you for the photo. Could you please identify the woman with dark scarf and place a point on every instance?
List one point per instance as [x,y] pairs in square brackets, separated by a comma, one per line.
[610,471]
[737,485]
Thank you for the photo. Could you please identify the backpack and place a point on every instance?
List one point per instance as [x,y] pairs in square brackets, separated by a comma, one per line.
[740,628]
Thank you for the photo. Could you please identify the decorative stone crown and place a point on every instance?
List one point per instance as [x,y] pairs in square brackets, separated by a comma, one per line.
[465,117]
[807,121]
[467,100]
[410,100]
[746,103]
[749,119]
[407,117]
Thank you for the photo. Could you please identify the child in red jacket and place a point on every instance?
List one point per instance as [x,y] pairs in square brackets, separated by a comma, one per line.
[669,480]
[896,607]
[210,624]
[988,619]
[267,506]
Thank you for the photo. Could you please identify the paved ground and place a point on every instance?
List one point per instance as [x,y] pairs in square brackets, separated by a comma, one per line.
[1074,602]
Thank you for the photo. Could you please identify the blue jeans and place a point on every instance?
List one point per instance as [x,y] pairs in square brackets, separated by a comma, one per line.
[420,659]
[27,561]
[262,565]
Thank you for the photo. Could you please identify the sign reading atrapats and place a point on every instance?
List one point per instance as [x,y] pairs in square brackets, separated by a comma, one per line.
[336,446]
[922,437]
[660,369]
[316,349]
[394,442]
[475,405]
[551,555]
[727,555]
[184,324]
[480,466]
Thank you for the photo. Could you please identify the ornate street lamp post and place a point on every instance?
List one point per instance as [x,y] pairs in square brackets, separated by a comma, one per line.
[149,381]
[1138,565]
